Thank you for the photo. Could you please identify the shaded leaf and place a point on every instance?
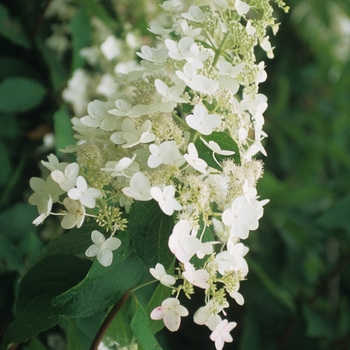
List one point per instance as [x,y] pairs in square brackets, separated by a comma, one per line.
[103,286]
[81,36]
[119,331]
[338,216]
[12,29]
[278,292]
[5,163]
[225,142]
[150,229]
[74,242]
[141,328]
[47,279]
[10,260]
[73,340]
[63,129]
[317,326]
[18,94]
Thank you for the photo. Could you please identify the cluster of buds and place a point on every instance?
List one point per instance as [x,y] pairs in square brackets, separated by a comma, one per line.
[184,134]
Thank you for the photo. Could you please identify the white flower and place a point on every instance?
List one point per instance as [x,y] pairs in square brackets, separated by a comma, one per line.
[157,56]
[221,334]
[124,108]
[165,199]
[195,14]
[238,251]
[102,248]
[139,188]
[170,96]
[198,278]
[197,82]
[43,190]
[170,312]
[99,117]
[208,314]
[44,209]
[67,179]
[87,196]
[241,7]
[160,274]
[130,137]
[181,50]
[234,294]
[53,163]
[75,215]
[216,148]
[201,121]
[192,159]
[242,217]
[251,30]
[181,243]
[225,261]
[266,46]
[118,168]
[166,153]
[111,47]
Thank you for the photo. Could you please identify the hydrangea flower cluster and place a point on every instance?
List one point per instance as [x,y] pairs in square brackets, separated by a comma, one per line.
[184,134]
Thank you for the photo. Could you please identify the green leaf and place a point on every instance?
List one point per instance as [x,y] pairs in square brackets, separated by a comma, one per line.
[278,292]
[59,74]
[74,242]
[10,260]
[35,344]
[63,129]
[95,9]
[47,279]
[119,331]
[142,331]
[6,167]
[11,66]
[8,125]
[73,340]
[317,326]
[150,229]
[18,94]
[81,36]
[104,286]
[12,29]
[13,228]
[225,142]
[337,216]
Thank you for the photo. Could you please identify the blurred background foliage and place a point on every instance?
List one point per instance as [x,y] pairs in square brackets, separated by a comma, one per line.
[298,289]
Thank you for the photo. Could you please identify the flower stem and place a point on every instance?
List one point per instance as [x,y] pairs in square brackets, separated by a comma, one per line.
[220,49]
[108,320]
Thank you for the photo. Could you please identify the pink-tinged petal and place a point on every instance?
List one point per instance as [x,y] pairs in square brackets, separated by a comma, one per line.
[157,313]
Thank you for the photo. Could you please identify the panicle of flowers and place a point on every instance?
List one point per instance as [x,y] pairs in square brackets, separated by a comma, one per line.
[184,133]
